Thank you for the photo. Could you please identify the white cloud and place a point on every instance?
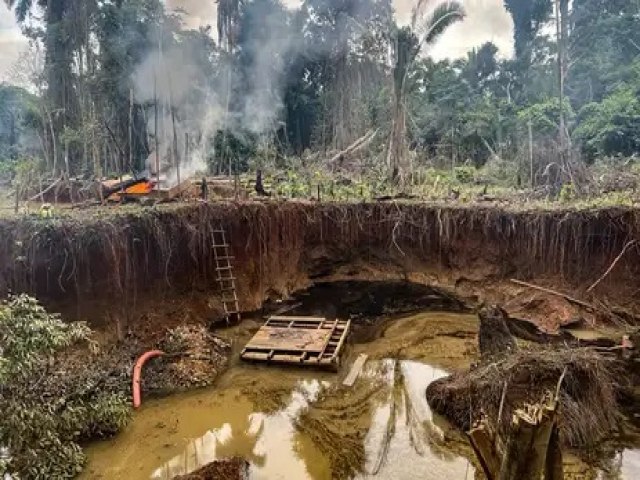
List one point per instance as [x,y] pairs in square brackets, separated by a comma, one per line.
[487,20]
[12,42]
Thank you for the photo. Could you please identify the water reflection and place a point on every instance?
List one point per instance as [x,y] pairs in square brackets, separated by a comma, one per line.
[625,465]
[178,435]
[266,441]
[404,440]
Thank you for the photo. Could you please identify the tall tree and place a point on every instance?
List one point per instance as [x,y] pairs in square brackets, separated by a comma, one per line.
[351,37]
[58,39]
[409,43]
[528,16]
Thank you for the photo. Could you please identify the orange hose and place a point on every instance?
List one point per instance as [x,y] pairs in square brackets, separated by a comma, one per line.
[137,372]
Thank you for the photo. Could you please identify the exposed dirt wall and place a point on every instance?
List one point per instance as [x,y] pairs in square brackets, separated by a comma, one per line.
[120,257]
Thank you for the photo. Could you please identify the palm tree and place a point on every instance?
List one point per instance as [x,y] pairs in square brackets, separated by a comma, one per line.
[409,43]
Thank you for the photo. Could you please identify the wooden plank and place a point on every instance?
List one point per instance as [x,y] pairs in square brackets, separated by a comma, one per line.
[297,319]
[298,340]
[284,358]
[342,339]
[273,338]
[356,368]
[326,344]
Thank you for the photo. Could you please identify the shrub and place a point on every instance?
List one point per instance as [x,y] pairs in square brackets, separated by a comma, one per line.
[46,409]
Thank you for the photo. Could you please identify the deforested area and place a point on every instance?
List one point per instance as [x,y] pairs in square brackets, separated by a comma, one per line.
[321,239]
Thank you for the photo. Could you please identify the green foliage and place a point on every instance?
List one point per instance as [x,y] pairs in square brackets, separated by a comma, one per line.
[331,87]
[528,16]
[41,423]
[29,335]
[611,127]
[464,174]
[544,116]
[18,120]
[567,193]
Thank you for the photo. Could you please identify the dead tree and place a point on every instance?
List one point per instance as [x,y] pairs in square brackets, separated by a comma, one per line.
[259,186]
[528,448]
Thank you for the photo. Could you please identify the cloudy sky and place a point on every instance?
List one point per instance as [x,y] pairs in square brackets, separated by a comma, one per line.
[486,20]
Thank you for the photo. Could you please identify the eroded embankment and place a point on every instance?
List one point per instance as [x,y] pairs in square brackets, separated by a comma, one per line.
[119,257]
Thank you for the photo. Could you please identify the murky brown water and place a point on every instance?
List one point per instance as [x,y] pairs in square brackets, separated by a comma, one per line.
[299,424]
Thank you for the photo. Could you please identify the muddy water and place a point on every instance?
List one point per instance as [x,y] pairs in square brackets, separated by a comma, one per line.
[263,414]
[299,424]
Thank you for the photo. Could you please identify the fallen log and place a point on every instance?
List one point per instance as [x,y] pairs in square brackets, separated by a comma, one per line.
[359,144]
[610,311]
[46,190]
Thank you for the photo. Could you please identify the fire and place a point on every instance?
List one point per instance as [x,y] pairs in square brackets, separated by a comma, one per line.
[143,188]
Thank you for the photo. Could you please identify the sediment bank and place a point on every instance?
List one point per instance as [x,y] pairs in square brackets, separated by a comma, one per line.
[124,257]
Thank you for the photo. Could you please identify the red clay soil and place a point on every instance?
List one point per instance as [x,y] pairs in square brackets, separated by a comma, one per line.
[154,256]
[233,469]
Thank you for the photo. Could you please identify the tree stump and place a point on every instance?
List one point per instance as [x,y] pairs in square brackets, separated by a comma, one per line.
[494,335]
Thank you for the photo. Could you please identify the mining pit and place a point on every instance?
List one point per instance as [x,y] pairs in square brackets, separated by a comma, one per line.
[411,278]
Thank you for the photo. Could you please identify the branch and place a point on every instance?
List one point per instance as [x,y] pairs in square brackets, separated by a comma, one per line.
[39,194]
[557,294]
[612,266]
[359,144]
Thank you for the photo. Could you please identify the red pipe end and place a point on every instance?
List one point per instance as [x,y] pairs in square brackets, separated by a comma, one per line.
[137,373]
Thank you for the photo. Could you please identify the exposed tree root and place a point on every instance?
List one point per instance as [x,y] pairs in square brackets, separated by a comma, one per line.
[588,395]
[122,254]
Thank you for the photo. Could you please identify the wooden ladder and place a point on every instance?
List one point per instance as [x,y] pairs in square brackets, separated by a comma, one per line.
[225,278]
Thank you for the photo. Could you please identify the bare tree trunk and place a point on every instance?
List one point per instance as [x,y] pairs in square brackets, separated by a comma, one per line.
[397,150]
[54,142]
[131,128]
[530,128]
[561,7]
[67,167]
[155,128]
[226,116]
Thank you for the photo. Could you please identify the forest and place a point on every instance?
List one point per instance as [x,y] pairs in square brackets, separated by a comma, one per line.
[331,89]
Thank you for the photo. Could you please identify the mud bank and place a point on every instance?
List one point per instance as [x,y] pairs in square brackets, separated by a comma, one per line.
[132,256]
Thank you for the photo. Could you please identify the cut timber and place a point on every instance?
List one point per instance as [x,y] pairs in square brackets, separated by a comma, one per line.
[355,370]
[165,193]
[298,340]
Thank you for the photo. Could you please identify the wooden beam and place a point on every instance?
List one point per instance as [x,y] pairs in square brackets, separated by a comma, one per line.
[356,368]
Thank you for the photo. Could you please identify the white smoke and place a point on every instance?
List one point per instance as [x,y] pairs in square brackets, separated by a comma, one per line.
[275,43]
[174,77]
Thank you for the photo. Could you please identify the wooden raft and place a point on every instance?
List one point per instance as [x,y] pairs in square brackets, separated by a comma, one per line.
[309,341]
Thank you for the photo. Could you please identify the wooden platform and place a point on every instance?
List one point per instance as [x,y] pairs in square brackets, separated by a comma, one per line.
[309,341]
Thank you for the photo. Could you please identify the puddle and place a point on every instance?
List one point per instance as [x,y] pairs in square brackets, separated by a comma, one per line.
[180,434]
[300,424]
[404,440]
[177,435]
[255,412]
